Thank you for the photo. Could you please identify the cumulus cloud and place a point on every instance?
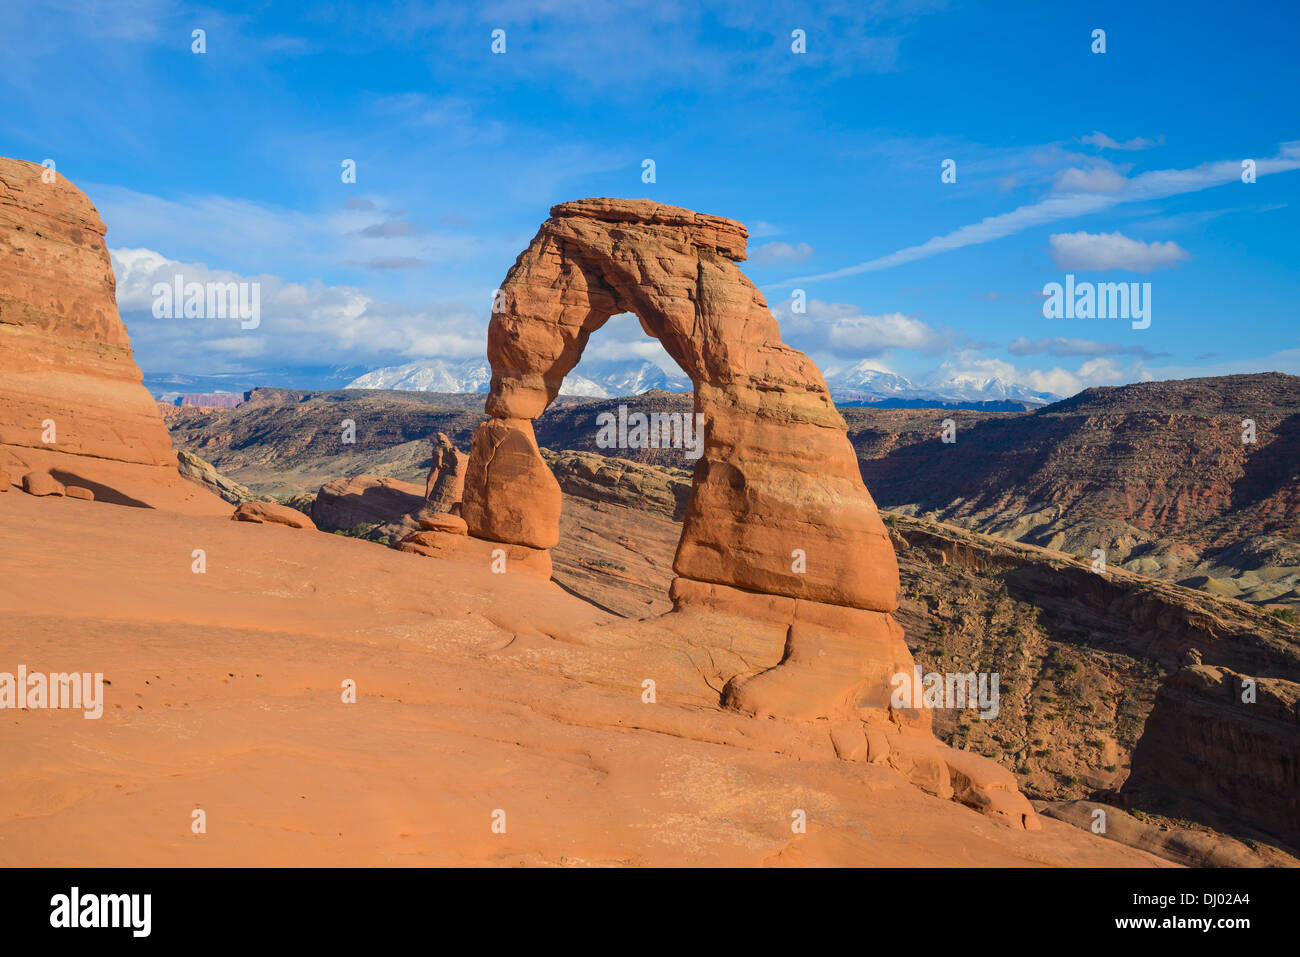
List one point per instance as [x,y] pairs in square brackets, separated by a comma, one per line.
[1062,381]
[844,331]
[1102,251]
[301,323]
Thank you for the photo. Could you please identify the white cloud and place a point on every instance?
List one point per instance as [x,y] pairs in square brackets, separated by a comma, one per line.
[845,331]
[301,323]
[1094,179]
[1102,251]
[1104,142]
[770,253]
[1061,346]
[1156,184]
[236,231]
[969,365]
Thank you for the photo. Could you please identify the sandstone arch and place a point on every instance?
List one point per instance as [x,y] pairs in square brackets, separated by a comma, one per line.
[777,474]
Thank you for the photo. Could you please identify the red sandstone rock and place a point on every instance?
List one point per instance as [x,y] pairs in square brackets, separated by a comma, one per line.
[446,481]
[344,503]
[76,491]
[443,522]
[778,472]
[510,494]
[271,513]
[42,483]
[1246,728]
[71,399]
[498,558]
[779,527]
[5,481]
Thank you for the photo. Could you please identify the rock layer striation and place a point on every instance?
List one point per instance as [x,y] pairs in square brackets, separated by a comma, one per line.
[71,399]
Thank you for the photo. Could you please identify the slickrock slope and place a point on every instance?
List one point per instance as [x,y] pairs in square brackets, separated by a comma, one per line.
[71,399]
[779,531]
[1081,657]
[475,692]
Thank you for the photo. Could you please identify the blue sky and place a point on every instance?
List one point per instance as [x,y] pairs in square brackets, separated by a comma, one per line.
[1115,166]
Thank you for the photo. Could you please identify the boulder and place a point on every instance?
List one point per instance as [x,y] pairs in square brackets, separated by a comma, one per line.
[376,503]
[42,483]
[443,522]
[202,473]
[76,491]
[273,514]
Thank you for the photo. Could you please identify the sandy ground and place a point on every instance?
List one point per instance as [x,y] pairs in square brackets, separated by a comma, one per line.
[476,693]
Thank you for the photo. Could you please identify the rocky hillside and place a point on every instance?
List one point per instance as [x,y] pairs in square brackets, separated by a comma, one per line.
[1156,473]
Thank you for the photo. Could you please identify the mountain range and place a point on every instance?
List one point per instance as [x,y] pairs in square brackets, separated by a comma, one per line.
[859,384]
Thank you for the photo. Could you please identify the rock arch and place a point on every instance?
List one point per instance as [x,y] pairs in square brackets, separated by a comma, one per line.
[777,474]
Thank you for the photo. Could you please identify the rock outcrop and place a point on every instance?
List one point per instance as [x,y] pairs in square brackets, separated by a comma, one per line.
[779,527]
[777,472]
[376,502]
[1245,729]
[41,483]
[205,475]
[71,400]
[269,513]
[446,481]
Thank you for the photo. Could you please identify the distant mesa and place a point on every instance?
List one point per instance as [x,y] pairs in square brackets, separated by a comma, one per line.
[71,398]
[212,400]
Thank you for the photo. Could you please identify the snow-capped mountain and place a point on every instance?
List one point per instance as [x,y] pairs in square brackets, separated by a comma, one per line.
[967,387]
[429,375]
[861,384]
[866,382]
[600,379]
